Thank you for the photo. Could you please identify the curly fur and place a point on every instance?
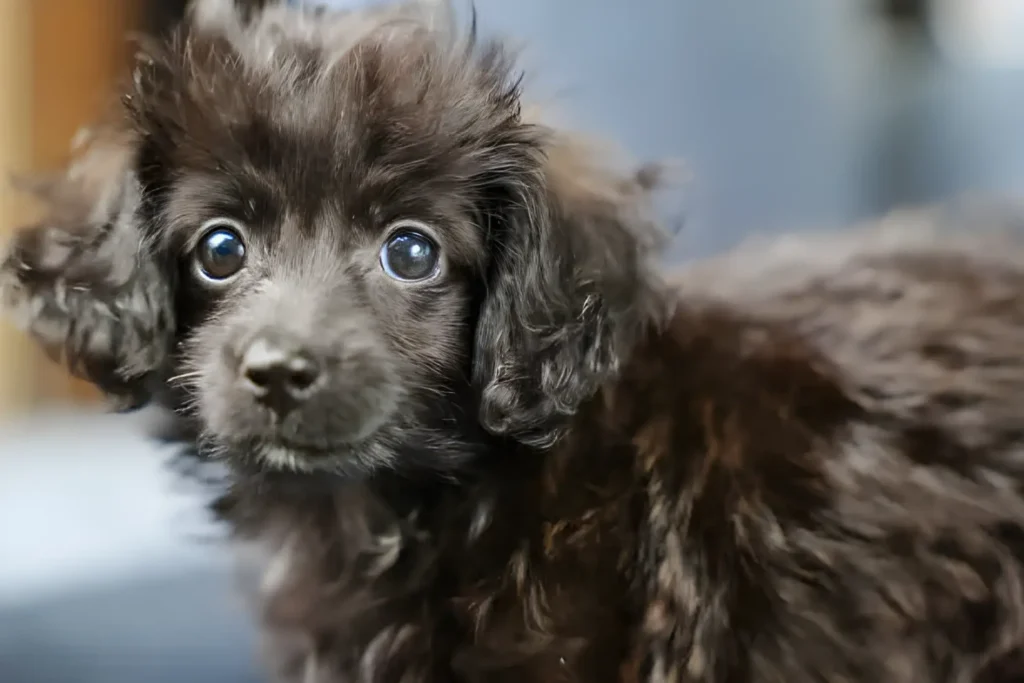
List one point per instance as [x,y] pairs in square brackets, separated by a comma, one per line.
[797,462]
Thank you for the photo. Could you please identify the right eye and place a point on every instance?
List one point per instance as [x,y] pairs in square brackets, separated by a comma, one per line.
[220,253]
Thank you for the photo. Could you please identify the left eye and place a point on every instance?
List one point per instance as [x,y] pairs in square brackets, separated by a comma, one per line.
[409,256]
[221,251]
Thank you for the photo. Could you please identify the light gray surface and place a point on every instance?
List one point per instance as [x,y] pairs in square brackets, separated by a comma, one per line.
[179,628]
[88,500]
[110,571]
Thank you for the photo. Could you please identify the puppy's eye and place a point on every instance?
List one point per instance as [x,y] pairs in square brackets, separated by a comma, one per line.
[410,256]
[220,253]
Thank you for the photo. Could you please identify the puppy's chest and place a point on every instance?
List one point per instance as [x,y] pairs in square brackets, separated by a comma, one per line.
[554,614]
[547,604]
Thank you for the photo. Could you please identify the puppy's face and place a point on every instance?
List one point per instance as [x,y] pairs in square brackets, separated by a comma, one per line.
[333,313]
[340,238]
[330,279]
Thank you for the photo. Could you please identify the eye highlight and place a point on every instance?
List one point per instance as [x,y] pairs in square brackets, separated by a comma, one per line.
[409,255]
[220,254]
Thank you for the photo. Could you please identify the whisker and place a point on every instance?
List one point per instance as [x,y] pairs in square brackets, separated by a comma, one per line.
[184,376]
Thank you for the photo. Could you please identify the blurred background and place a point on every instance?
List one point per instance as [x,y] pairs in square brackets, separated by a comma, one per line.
[787,113]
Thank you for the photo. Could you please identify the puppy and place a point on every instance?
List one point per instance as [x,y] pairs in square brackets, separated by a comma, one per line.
[468,429]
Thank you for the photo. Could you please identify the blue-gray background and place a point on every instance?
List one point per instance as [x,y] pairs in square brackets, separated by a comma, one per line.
[787,113]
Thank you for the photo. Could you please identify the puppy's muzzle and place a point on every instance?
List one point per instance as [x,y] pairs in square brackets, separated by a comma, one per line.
[279,372]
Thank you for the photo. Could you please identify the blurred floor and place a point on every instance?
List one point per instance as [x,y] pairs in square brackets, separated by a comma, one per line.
[109,570]
[173,629]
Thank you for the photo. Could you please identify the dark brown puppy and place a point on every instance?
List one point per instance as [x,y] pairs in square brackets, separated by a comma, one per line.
[470,431]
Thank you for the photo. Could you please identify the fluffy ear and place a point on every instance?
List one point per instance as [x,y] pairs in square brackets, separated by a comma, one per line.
[570,291]
[83,282]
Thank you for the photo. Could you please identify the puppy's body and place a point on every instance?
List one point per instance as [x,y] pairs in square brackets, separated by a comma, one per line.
[810,473]
[530,458]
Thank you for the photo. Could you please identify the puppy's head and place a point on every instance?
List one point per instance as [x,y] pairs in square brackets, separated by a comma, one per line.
[341,236]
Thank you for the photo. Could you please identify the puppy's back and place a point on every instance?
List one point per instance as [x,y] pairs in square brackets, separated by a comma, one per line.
[861,431]
[921,313]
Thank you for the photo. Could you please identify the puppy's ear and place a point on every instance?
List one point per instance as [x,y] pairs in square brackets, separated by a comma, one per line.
[83,281]
[570,291]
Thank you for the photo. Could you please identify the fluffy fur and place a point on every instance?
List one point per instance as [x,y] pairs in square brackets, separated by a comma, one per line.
[798,462]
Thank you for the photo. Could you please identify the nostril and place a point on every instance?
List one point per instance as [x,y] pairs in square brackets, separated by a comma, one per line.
[302,375]
[261,377]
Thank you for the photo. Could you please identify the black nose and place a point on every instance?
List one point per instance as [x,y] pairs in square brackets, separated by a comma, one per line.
[278,373]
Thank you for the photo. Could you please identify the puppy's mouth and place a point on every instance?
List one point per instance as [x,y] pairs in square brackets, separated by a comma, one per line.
[301,458]
[320,450]
[249,437]
[286,454]
[253,439]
